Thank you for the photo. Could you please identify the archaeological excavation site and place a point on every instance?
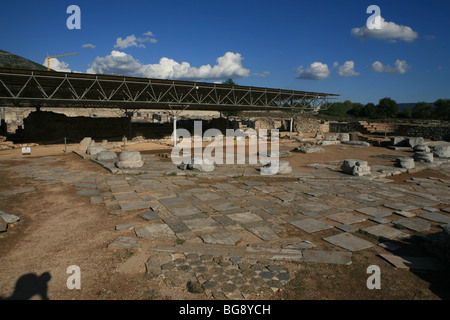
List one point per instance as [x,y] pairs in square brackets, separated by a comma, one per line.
[178,190]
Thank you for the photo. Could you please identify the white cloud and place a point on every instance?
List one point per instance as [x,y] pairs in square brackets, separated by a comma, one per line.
[348,69]
[389,31]
[316,71]
[262,75]
[130,41]
[119,63]
[88,46]
[149,34]
[57,65]
[401,66]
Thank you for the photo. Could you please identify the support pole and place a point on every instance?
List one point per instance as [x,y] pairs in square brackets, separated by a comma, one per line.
[174,131]
[290,128]
[65,145]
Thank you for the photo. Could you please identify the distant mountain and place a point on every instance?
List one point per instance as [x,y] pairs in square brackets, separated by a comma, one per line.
[9,60]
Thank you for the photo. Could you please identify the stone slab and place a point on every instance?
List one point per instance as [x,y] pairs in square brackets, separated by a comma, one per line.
[149,216]
[126,196]
[87,192]
[345,218]
[9,218]
[127,226]
[202,225]
[245,217]
[436,217]
[374,212]
[124,242]
[226,238]
[414,263]
[380,220]
[311,225]
[224,206]
[384,231]
[207,196]
[347,228]
[133,205]
[413,224]
[153,231]
[264,232]
[17,191]
[348,241]
[335,257]
[184,211]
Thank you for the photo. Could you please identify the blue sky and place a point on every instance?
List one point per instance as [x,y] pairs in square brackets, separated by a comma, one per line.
[320,46]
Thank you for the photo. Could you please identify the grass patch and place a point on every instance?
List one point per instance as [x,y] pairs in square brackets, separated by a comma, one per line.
[124,254]
[172,174]
[399,226]
[150,294]
[180,241]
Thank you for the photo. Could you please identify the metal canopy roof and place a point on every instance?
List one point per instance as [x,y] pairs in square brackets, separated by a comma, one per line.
[26,88]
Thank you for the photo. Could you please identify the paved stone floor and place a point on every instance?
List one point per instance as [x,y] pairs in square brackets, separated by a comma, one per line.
[231,237]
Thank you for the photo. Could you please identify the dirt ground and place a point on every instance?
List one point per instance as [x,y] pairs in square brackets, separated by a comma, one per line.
[54,233]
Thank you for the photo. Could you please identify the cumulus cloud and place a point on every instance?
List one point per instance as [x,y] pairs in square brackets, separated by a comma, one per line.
[149,34]
[389,31]
[88,46]
[57,65]
[262,75]
[348,69]
[316,71]
[400,67]
[130,41]
[119,63]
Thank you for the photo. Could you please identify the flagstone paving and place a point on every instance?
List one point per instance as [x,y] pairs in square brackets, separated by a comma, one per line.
[231,235]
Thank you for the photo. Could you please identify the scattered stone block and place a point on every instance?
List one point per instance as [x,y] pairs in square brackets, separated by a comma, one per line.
[3,225]
[331,138]
[9,218]
[124,242]
[422,148]
[202,165]
[329,142]
[309,149]
[349,242]
[130,160]
[423,157]
[441,151]
[343,137]
[414,263]
[94,150]
[406,162]
[414,141]
[357,143]
[106,156]
[120,227]
[133,205]
[355,167]
[84,144]
[276,167]
[399,141]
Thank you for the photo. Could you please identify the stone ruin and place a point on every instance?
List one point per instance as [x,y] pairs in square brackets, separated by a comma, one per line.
[356,167]
[129,160]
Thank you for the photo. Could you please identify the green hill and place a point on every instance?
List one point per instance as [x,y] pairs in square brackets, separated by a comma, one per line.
[9,60]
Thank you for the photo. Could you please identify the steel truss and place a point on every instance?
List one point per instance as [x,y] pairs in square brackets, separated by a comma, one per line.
[26,88]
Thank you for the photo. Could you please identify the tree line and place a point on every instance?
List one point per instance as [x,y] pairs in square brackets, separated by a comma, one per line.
[388,108]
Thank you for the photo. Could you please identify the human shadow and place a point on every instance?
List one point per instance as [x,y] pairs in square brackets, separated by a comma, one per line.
[437,271]
[30,285]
